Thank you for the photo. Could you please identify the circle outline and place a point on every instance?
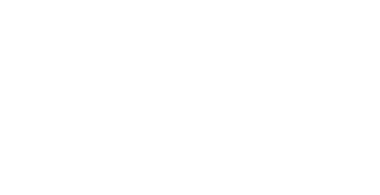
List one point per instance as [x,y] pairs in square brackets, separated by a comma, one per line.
[230,66]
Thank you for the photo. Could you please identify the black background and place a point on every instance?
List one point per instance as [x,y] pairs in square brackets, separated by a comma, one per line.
[85,65]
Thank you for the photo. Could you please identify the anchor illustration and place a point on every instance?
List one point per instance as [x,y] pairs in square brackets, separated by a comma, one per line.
[192,47]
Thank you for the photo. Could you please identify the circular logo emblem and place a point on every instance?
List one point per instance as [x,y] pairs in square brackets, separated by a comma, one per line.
[191,53]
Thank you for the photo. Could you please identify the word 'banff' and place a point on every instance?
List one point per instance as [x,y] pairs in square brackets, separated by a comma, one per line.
[134,141]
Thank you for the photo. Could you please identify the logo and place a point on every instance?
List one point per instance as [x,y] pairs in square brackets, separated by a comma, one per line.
[192,53]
